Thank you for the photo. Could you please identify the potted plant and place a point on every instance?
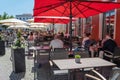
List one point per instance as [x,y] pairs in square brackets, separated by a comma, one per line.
[77,58]
[2,45]
[18,55]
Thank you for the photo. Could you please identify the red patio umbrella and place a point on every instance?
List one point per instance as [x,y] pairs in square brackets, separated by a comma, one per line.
[50,19]
[76,8]
[72,8]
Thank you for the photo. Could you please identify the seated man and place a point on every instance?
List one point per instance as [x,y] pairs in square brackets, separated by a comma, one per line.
[109,44]
[56,42]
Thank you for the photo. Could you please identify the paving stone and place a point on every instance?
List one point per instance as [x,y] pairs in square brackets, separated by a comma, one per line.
[6,71]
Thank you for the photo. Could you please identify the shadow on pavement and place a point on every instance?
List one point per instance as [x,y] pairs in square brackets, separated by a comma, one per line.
[16,76]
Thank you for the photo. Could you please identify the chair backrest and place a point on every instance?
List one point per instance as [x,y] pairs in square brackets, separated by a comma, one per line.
[117,51]
[83,54]
[59,49]
[57,54]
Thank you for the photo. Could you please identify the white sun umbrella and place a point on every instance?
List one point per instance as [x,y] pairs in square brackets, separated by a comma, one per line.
[30,20]
[12,21]
[19,26]
[35,26]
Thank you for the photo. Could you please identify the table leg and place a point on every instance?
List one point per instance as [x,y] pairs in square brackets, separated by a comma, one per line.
[71,74]
[35,68]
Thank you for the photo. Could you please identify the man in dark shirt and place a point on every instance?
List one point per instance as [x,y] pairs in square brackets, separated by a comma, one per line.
[109,44]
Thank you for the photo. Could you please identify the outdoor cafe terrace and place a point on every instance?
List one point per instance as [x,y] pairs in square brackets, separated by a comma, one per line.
[35,60]
[44,64]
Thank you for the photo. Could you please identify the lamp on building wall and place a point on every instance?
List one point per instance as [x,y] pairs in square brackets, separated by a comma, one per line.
[73,28]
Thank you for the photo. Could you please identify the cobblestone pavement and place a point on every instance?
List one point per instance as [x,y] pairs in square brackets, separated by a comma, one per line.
[6,71]
[40,72]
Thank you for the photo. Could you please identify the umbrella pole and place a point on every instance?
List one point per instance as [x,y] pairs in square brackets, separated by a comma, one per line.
[70,26]
[53,27]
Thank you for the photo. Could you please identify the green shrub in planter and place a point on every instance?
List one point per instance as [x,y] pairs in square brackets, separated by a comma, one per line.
[19,42]
[0,37]
[18,54]
[77,56]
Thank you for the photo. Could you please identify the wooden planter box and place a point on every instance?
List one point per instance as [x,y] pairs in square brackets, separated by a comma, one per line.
[2,47]
[18,60]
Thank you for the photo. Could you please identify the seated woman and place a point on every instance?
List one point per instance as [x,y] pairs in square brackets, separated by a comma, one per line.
[31,38]
[93,50]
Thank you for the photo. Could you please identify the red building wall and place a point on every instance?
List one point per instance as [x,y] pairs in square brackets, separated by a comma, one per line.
[95,27]
[95,23]
[117,32]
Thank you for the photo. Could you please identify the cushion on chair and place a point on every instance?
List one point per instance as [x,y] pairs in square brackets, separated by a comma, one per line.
[60,72]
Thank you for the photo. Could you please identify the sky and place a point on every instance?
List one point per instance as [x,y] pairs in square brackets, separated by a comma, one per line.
[16,7]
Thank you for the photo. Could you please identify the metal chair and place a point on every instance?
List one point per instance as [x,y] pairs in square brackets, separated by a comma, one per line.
[55,72]
[112,56]
[115,75]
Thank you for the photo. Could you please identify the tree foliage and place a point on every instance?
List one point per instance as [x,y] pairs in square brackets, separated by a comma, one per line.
[5,16]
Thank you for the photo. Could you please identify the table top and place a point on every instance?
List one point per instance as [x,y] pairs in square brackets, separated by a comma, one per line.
[39,47]
[85,63]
